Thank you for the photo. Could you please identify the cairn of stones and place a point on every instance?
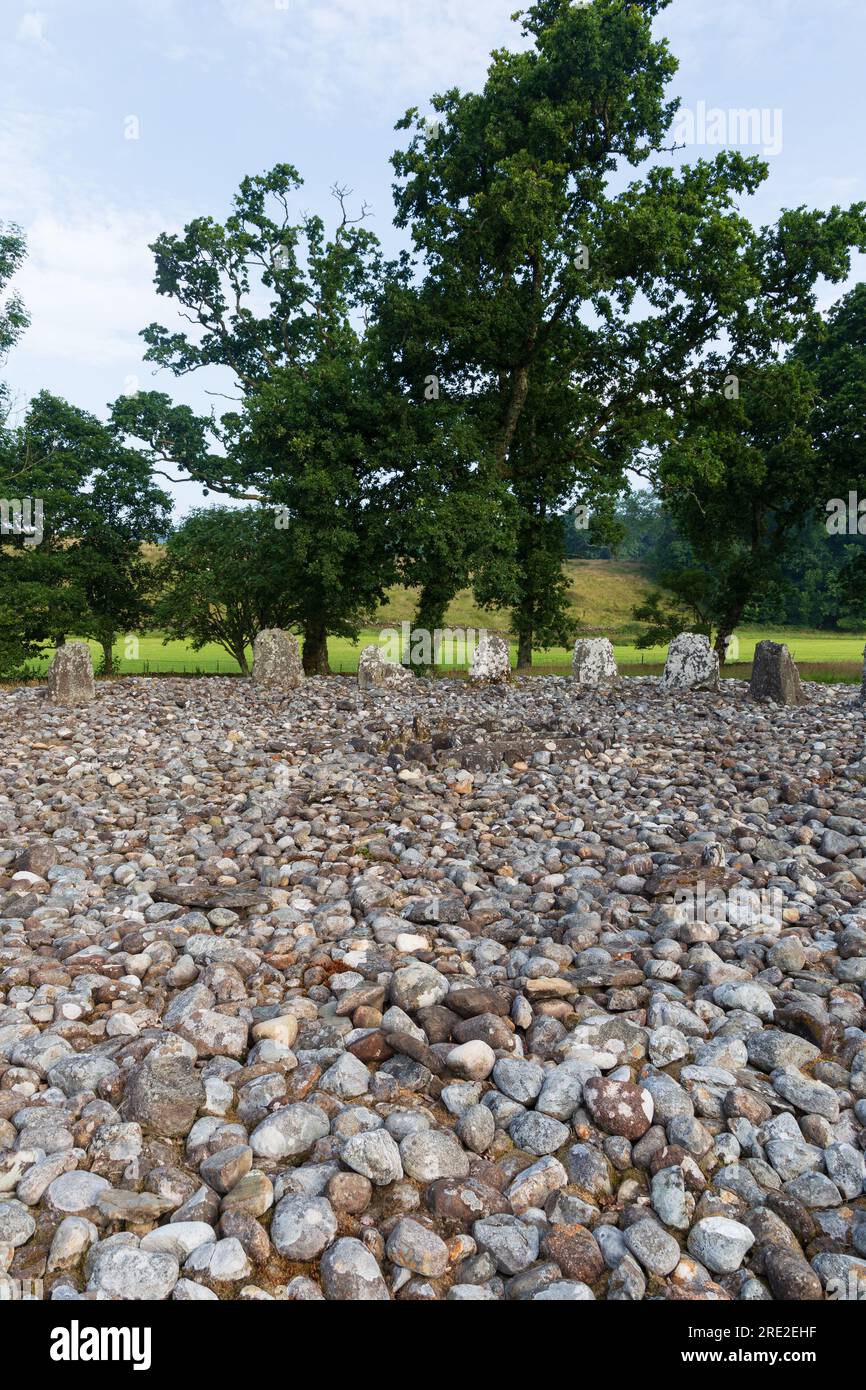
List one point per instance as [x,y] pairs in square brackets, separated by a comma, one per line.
[430,999]
[593,663]
[376,672]
[775,676]
[70,675]
[491,660]
[277,659]
[691,664]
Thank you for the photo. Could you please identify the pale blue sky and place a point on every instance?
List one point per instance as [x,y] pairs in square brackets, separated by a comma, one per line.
[223,88]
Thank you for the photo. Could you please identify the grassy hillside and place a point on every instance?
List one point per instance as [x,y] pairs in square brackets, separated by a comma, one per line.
[603,594]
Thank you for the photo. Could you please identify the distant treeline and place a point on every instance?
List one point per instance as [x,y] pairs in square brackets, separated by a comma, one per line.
[815,593]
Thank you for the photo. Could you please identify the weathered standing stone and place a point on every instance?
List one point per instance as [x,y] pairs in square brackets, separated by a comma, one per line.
[277,660]
[775,677]
[70,675]
[691,664]
[376,672]
[491,661]
[593,662]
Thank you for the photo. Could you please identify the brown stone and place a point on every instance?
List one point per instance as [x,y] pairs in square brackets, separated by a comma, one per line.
[576,1251]
[350,1192]
[476,999]
[496,1031]
[438,1022]
[372,1048]
[410,1046]
[741,1103]
[464,1200]
[618,1107]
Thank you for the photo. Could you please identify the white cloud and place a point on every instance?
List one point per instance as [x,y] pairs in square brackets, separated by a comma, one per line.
[87,279]
[741,34]
[388,49]
[31,28]
[87,285]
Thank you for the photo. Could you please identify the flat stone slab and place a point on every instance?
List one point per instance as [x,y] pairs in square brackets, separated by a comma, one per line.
[691,664]
[775,676]
[277,659]
[70,675]
[593,663]
[376,672]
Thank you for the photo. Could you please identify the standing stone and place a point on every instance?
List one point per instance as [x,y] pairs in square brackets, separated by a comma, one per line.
[692,664]
[775,677]
[277,660]
[376,672]
[70,675]
[491,660]
[594,663]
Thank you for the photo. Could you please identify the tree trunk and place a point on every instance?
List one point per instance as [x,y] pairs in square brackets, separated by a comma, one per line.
[240,656]
[514,409]
[316,650]
[108,656]
[524,650]
[429,617]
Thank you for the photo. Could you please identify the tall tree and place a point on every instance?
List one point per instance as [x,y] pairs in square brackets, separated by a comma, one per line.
[223,578]
[84,574]
[13,315]
[835,352]
[571,312]
[316,432]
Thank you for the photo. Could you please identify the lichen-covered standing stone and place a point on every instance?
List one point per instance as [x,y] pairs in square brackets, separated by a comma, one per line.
[774,675]
[692,664]
[376,672]
[70,675]
[277,660]
[491,661]
[593,662]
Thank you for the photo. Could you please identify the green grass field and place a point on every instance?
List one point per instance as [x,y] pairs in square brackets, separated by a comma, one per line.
[603,594]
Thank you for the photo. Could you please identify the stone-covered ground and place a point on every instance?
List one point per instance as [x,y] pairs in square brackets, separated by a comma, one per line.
[399,995]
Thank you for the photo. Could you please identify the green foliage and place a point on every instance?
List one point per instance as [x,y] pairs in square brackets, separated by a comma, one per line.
[86,574]
[13,316]
[685,605]
[223,578]
[536,260]
[318,432]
